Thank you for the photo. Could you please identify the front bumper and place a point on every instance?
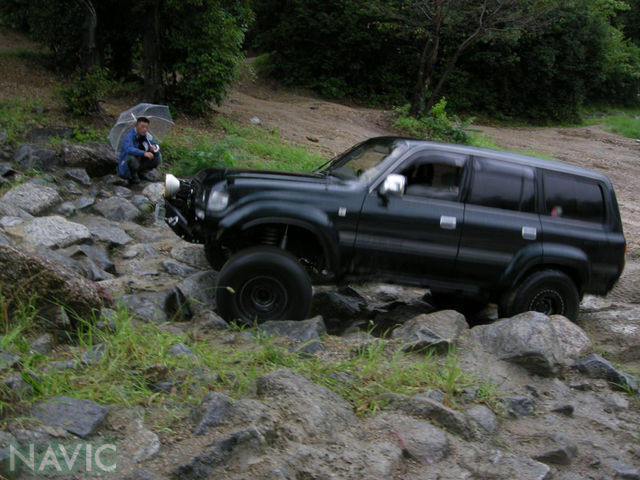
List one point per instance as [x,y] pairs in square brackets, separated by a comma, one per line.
[183,225]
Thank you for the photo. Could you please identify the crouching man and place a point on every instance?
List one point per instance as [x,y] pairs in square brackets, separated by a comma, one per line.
[139,152]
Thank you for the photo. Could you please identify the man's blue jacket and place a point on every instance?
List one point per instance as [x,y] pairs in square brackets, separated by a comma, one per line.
[130,147]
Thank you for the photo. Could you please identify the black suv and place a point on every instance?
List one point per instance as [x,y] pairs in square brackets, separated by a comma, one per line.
[526,233]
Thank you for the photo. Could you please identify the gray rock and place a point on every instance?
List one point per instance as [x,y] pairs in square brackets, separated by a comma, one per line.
[419,439]
[181,350]
[4,240]
[32,198]
[32,156]
[626,472]
[318,410]
[120,191]
[484,418]
[210,413]
[431,330]
[55,232]
[153,192]
[566,409]
[341,305]
[4,136]
[93,355]
[6,439]
[84,202]
[595,366]
[19,387]
[562,454]
[64,364]
[498,465]
[112,235]
[45,134]
[117,209]
[8,222]
[159,307]
[208,321]
[80,417]
[179,269]
[200,290]
[519,406]
[97,159]
[139,250]
[219,453]
[140,201]
[8,360]
[529,340]
[96,254]
[9,210]
[142,474]
[306,334]
[190,254]
[31,275]
[66,209]
[80,175]
[43,344]
[428,409]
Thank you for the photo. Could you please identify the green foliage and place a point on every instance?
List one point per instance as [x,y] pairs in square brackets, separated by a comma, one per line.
[83,95]
[438,126]
[247,147]
[627,126]
[202,64]
[18,116]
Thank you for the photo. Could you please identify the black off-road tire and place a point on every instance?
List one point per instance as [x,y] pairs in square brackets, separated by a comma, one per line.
[548,291]
[263,283]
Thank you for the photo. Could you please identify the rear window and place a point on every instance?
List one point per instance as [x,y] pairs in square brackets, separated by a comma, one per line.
[573,197]
[504,185]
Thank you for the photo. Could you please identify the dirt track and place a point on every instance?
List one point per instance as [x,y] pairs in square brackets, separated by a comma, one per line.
[329,128]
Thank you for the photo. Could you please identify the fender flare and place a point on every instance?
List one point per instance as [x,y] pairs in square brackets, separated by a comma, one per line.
[274,212]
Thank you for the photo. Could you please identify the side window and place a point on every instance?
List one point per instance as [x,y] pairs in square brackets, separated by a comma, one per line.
[504,185]
[573,197]
[434,177]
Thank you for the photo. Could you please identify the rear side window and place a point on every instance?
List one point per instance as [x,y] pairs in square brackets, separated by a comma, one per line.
[501,184]
[573,197]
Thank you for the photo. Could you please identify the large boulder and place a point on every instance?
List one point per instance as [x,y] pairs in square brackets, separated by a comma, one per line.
[53,232]
[531,340]
[117,209]
[32,198]
[305,334]
[24,275]
[32,156]
[80,417]
[434,329]
[97,159]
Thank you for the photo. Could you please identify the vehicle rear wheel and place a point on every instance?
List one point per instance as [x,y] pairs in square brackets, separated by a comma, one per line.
[548,291]
[263,283]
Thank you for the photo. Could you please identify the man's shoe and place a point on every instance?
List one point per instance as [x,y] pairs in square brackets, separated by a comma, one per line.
[135,179]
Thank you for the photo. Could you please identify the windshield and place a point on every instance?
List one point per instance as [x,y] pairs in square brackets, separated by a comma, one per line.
[363,161]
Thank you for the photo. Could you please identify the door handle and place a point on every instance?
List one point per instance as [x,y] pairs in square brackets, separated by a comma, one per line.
[529,233]
[448,223]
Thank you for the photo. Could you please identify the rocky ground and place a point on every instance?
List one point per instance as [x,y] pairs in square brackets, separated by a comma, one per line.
[558,408]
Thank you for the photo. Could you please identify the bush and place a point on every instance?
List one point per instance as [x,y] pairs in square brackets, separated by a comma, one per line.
[86,91]
[438,126]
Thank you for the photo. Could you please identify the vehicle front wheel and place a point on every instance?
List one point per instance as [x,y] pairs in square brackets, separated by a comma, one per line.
[263,283]
[548,291]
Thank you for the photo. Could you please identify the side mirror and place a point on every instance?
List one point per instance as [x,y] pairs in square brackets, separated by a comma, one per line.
[394,184]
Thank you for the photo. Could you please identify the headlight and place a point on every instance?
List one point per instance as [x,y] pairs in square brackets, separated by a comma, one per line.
[217,201]
[171,186]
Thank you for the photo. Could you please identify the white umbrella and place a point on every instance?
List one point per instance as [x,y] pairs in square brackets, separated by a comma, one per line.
[160,122]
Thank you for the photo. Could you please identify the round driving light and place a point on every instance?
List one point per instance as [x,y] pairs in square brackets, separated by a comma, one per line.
[171,186]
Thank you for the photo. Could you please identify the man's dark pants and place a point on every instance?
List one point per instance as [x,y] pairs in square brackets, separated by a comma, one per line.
[141,164]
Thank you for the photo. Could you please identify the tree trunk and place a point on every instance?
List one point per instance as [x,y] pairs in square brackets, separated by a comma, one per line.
[447,71]
[89,50]
[417,99]
[153,91]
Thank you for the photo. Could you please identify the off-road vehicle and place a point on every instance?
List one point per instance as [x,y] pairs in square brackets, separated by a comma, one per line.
[525,233]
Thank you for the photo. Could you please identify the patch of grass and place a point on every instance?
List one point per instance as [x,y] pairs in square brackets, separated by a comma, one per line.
[627,126]
[18,116]
[135,352]
[248,147]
